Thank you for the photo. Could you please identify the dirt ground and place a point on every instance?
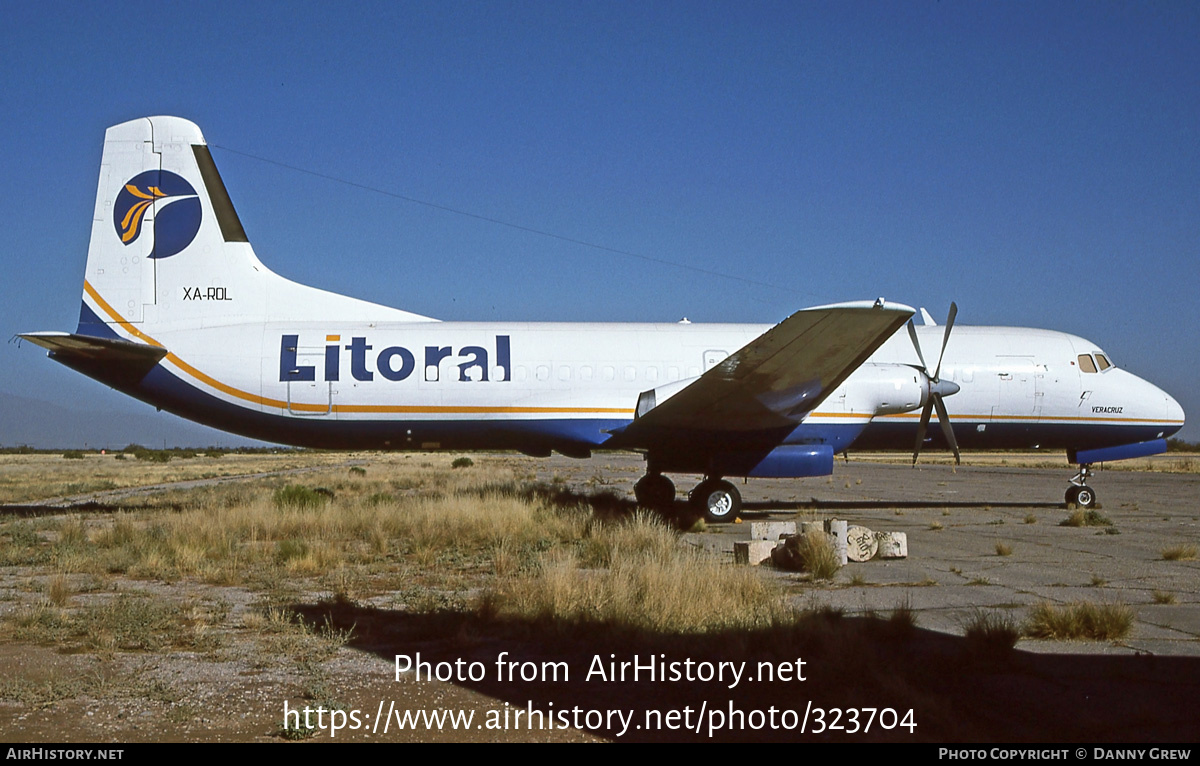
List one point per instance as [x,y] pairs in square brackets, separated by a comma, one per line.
[1043,691]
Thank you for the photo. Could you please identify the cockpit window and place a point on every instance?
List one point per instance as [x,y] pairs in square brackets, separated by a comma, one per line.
[1086,364]
[1102,360]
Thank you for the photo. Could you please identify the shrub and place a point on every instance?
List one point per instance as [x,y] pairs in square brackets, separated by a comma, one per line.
[1183,552]
[1079,619]
[298,496]
[991,632]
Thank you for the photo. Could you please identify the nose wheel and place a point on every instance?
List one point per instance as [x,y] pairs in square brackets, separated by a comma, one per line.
[1079,493]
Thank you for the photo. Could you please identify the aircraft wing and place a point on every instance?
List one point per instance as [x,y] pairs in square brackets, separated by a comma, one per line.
[774,381]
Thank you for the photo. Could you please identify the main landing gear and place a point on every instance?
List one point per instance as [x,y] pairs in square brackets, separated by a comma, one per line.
[716,498]
[1079,492]
[655,491]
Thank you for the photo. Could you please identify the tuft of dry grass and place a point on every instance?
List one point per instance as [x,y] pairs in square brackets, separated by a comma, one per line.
[1163,597]
[1003,549]
[818,556]
[58,590]
[1181,552]
[1082,518]
[991,632]
[1079,619]
[647,583]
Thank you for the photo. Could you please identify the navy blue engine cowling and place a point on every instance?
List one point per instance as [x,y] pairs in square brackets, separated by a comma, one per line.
[790,461]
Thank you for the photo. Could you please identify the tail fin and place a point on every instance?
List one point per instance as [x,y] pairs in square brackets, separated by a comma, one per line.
[168,250]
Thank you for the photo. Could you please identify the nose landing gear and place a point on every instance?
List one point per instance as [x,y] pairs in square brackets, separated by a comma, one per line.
[1079,492]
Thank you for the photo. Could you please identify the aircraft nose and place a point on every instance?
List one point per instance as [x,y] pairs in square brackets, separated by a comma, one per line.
[1174,411]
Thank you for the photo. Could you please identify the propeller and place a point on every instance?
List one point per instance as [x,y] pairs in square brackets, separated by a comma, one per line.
[936,390]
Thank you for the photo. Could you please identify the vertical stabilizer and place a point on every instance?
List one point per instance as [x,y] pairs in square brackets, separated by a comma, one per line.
[168,251]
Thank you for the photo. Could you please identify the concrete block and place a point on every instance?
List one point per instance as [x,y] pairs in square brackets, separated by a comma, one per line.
[771,530]
[892,545]
[811,526]
[752,552]
[836,529]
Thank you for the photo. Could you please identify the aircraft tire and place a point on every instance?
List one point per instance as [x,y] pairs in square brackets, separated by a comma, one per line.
[719,500]
[1081,497]
[1085,498]
[655,491]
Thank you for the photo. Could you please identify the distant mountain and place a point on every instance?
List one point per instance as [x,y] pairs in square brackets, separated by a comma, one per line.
[46,425]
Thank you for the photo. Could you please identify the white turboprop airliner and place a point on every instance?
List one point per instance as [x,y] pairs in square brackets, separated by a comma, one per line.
[179,312]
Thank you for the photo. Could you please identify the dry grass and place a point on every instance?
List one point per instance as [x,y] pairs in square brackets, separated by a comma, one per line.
[1079,619]
[1003,549]
[817,555]
[1082,518]
[1181,552]
[24,478]
[1163,597]
[123,623]
[991,632]
[684,594]
[413,526]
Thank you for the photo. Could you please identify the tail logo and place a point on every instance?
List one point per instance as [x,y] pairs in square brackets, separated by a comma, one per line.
[172,201]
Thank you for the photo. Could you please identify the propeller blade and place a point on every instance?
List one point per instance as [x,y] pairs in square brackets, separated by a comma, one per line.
[945,338]
[912,333]
[925,413]
[947,431]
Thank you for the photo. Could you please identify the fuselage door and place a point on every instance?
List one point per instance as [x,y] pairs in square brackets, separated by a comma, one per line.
[713,357]
[312,398]
[1021,390]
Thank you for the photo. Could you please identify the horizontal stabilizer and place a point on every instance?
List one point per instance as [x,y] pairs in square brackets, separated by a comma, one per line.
[62,344]
[119,363]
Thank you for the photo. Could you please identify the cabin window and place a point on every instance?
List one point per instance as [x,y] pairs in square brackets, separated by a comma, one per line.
[609,373]
[521,372]
[630,373]
[585,372]
[1103,362]
[652,374]
[1086,364]
[672,374]
[564,372]
[542,372]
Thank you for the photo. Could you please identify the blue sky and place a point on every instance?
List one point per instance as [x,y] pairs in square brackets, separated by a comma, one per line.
[1038,163]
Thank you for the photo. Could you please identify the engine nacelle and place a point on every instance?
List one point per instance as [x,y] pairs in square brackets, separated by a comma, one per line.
[883,389]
